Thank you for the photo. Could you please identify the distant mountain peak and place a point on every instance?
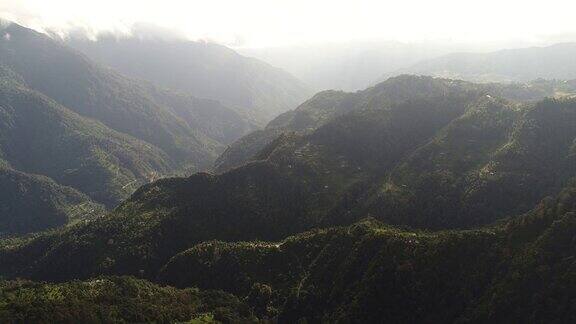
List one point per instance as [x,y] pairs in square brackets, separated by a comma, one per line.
[508,65]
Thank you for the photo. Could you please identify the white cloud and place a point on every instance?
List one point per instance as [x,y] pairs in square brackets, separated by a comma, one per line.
[276,22]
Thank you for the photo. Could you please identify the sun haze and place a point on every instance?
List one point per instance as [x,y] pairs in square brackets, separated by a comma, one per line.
[264,23]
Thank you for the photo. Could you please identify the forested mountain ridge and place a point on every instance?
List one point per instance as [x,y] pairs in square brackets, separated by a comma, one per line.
[312,113]
[251,87]
[134,238]
[32,203]
[460,171]
[520,271]
[477,152]
[42,137]
[324,107]
[368,271]
[78,134]
[173,122]
[56,164]
[327,105]
[494,160]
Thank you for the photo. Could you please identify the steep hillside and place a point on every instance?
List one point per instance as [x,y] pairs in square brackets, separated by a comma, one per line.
[520,272]
[313,113]
[363,273]
[488,159]
[116,300]
[327,105]
[166,217]
[493,161]
[449,157]
[462,173]
[187,129]
[473,159]
[58,166]
[39,136]
[245,149]
[253,88]
[31,203]
[520,65]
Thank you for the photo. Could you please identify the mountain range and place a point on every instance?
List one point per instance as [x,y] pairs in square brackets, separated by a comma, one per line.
[137,186]
[78,137]
[509,65]
[417,200]
[252,88]
[328,105]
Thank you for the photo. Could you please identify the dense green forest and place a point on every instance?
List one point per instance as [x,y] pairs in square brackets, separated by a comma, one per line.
[417,200]
[57,166]
[415,196]
[76,135]
[116,300]
[40,136]
[328,105]
[34,203]
[518,271]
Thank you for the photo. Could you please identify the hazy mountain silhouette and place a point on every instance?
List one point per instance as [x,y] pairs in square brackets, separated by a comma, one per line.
[253,88]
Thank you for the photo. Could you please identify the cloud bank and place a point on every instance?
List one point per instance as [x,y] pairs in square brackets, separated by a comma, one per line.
[285,22]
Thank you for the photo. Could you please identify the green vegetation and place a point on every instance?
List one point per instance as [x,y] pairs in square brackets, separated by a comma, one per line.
[68,122]
[116,300]
[364,272]
[244,149]
[187,129]
[495,160]
[518,272]
[34,203]
[326,106]
[55,164]
[412,201]
[450,157]
[161,220]
[39,136]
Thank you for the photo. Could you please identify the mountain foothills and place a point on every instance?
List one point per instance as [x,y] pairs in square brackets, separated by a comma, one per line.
[416,200]
[77,138]
[251,87]
[511,65]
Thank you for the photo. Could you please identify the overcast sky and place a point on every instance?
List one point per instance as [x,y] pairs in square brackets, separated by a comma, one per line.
[264,23]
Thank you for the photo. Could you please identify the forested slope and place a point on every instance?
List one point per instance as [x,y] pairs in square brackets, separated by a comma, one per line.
[444,204]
